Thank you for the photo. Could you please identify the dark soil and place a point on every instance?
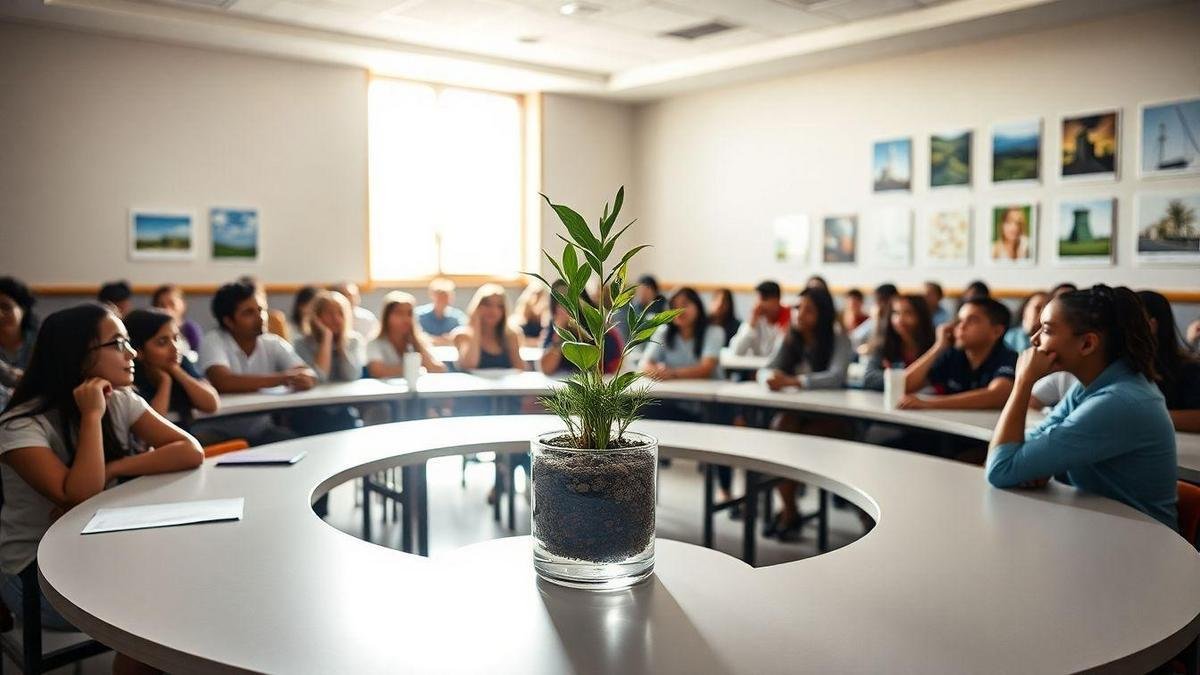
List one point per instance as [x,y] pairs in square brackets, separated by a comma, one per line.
[594,506]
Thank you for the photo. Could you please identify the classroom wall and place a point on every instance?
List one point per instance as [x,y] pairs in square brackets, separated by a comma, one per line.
[716,168]
[94,125]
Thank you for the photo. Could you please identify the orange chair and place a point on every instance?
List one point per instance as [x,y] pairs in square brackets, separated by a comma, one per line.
[1189,510]
[223,447]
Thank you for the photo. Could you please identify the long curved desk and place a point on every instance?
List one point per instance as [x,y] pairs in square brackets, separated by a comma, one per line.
[955,577]
[848,403]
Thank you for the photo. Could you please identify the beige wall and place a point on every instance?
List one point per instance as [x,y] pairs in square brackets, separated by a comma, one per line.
[714,169]
[587,154]
[92,126]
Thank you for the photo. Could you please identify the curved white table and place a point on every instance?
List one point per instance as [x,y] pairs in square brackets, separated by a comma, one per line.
[850,403]
[956,576]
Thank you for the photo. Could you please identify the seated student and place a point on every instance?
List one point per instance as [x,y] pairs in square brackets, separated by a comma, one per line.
[814,355]
[1112,435]
[276,319]
[552,361]
[18,330]
[240,357]
[529,315]
[440,318]
[364,322]
[168,297]
[169,382]
[73,429]
[297,318]
[1177,367]
[689,347]
[968,366]
[852,312]
[1017,337]
[400,334]
[1065,287]
[818,281]
[118,295]
[722,313]
[487,341]
[975,289]
[861,336]
[331,346]
[646,296]
[907,335]
[933,297]
[762,332]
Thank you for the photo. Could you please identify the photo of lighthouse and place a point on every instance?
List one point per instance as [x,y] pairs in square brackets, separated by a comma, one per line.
[1171,138]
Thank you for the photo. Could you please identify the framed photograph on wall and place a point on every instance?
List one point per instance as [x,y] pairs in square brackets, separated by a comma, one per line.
[1168,227]
[889,234]
[891,166]
[1017,152]
[1089,146]
[950,159]
[235,234]
[839,237]
[944,236]
[1085,231]
[1013,233]
[161,234]
[792,238]
[1170,139]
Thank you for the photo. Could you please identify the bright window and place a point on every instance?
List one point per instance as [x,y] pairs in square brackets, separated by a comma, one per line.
[445,176]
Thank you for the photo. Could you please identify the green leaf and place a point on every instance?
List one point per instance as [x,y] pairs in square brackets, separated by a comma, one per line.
[621,382]
[625,259]
[566,335]
[594,262]
[579,278]
[570,261]
[583,355]
[613,217]
[645,334]
[664,317]
[576,226]
[595,322]
[554,263]
[625,296]
[537,276]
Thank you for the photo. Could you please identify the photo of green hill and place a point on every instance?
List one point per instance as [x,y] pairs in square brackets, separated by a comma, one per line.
[950,159]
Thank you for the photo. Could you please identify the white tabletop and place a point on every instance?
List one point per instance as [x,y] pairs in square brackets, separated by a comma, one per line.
[449,353]
[955,576]
[731,361]
[852,403]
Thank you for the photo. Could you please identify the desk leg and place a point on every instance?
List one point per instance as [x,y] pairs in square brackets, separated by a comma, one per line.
[749,519]
[366,508]
[406,490]
[497,476]
[422,510]
[709,470]
[823,522]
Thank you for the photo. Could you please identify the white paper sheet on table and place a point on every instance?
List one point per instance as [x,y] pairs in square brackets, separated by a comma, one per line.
[164,515]
[268,455]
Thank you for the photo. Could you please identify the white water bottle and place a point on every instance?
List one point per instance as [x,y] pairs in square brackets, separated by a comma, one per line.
[893,387]
[412,369]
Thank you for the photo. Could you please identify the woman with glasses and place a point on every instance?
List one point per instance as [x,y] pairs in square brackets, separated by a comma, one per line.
[73,428]
[167,380]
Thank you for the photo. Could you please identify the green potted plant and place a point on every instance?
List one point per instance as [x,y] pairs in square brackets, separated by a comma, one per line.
[594,480]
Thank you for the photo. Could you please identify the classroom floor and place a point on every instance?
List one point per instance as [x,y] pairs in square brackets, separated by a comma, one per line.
[459,516]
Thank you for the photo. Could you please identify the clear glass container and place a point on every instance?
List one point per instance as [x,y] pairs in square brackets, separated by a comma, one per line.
[593,512]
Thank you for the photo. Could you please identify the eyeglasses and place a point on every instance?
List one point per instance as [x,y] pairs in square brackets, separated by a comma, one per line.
[120,343]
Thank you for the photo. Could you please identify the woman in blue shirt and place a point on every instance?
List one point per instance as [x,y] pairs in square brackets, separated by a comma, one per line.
[1111,435]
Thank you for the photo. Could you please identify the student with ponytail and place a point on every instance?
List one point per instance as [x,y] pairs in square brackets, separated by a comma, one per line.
[1111,435]
[1178,367]
[73,428]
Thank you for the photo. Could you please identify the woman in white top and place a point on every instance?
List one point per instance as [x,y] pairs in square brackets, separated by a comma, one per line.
[400,333]
[73,428]
[330,345]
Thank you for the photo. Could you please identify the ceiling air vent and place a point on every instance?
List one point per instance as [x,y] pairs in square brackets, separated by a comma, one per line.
[700,30]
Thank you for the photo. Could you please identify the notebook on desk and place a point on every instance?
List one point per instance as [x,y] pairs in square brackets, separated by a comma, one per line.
[266,456]
[171,514]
